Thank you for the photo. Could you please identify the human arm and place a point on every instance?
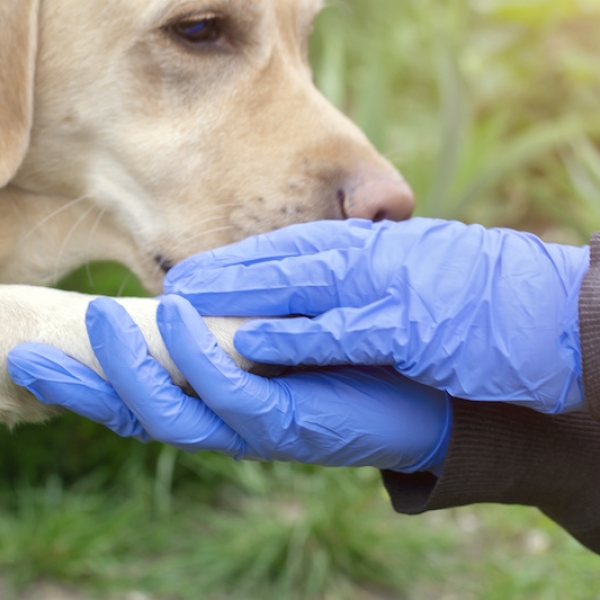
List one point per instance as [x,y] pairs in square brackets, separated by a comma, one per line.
[508,454]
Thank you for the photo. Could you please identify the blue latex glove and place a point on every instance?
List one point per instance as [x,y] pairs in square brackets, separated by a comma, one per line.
[336,417]
[482,314]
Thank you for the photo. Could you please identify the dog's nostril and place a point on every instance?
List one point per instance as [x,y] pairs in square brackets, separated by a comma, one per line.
[380,197]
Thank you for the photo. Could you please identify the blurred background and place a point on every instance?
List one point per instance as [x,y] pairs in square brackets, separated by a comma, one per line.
[491,109]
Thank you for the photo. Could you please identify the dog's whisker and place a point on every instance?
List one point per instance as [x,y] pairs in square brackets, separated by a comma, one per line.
[123,285]
[89,244]
[203,222]
[204,233]
[197,224]
[201,234]
[93,230]
[67,238]
[51,216]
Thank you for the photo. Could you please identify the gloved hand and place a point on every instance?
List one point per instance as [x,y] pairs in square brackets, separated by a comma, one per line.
[337,417]
[482,314]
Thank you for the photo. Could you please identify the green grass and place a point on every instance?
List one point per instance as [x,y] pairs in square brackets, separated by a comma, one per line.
[275,531]
[490,109]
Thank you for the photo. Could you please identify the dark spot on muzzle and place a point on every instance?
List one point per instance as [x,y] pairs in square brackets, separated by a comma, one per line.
[164,264]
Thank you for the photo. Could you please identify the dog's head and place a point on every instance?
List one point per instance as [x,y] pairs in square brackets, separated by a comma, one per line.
[190,123]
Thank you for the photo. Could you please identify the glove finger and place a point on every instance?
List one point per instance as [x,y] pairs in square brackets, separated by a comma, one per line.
[166,413]
[242,400]
[295,240]
[55,378]
[308,285]
[365,336]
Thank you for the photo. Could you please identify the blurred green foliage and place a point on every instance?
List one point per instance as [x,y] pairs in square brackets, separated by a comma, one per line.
[480,104]
[490,109]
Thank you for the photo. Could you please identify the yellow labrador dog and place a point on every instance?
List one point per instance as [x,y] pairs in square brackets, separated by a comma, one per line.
[145,131]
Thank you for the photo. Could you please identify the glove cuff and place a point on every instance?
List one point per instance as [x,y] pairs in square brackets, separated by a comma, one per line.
[589,329]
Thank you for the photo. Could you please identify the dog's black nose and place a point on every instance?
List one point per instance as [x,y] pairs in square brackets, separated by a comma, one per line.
[377,197]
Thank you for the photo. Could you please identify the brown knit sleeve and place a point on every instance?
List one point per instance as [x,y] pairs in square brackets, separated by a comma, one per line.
[589,329]
[512,455]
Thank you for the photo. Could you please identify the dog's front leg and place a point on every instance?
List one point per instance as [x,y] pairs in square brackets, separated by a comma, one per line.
[57,318]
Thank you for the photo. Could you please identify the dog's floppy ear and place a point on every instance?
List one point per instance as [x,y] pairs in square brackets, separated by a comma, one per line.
[18,47]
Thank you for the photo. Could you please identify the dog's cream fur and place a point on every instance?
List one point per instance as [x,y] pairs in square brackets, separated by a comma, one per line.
[119,141]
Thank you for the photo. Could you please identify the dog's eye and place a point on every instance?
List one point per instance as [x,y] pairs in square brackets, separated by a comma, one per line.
[199,31]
